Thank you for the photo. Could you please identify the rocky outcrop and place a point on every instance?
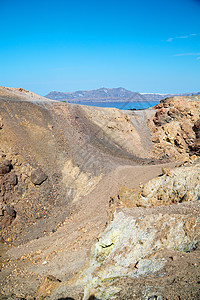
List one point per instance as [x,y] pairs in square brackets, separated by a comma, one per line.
[174,186]
[1,123]
[143,242]
[173,129]
[8,181]
[138,245]
[195,147]
[171,187]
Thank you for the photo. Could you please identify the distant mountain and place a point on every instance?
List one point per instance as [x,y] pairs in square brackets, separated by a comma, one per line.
[109,95]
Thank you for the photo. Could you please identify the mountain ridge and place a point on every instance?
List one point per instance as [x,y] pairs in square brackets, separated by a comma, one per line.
[109,95]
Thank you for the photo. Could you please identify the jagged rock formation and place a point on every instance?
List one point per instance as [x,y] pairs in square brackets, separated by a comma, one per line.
[64,233]
[173,127]
[173,186]
[195,147]
[8,182]
[144,245]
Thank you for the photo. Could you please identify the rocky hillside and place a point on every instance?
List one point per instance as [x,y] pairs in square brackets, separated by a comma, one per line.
[139,255]
[98,203]
[105,94]
[57,153]
[175,127]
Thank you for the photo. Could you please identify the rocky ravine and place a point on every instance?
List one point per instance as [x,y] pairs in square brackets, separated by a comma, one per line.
[91,204]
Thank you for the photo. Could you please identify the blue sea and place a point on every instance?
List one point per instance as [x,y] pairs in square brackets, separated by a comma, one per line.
[120,105]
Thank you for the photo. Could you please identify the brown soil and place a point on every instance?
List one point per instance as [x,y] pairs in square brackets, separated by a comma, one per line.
[86,156]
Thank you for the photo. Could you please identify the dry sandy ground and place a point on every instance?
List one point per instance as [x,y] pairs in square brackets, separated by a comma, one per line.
[64,253]
[88,155]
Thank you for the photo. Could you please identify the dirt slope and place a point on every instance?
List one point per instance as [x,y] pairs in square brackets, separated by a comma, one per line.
[68,162]
[75,146]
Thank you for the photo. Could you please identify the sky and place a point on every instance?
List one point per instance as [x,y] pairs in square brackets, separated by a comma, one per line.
[143,46]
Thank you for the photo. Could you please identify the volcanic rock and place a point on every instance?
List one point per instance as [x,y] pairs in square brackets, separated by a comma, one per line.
[173,186]
[197,128]
[10,210]
[12,179]
[1,123]
[174,124]
[71,227]
[195,146]
[38,176]
[5,167]
[2,155]
[137,245]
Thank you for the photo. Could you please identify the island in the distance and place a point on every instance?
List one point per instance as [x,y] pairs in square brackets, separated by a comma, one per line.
[120,98]
[109,95]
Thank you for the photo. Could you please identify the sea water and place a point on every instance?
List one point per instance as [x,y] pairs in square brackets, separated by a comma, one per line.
[119,105]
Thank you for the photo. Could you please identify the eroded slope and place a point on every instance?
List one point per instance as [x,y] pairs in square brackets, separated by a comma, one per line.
[61,167]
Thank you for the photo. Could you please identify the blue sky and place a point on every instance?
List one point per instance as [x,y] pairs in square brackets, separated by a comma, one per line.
[144,46]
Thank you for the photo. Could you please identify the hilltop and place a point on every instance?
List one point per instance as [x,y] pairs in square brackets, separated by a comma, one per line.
[7,93]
